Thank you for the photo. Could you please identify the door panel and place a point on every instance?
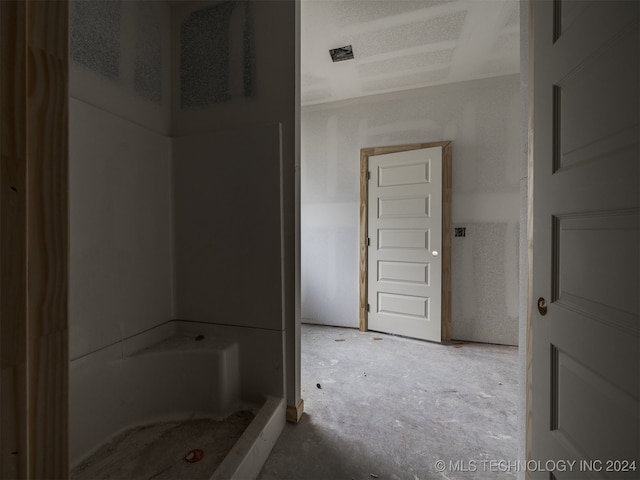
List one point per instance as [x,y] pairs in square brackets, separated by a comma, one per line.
[404,273]
[403,174]
[405,228]
[586,236]
[403,207]
[395,238]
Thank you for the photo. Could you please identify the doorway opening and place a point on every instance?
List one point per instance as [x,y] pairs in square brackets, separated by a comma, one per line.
[405,240]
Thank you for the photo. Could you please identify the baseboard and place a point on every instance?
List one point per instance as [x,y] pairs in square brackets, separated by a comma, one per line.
[294,412]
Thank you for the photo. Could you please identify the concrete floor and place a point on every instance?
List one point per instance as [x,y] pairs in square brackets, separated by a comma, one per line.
[379,406]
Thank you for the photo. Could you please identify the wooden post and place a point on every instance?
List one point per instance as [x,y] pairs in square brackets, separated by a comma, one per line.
[34,239]
[13,231]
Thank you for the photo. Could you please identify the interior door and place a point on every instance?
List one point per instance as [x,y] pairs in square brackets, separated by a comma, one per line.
[586,261]
[405,243]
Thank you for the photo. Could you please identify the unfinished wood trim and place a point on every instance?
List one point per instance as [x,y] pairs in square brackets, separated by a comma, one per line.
[365,153]
[528,428]
[48,238]
[446,242]
[294,412]
[364,254]
[34,240]
[13,242]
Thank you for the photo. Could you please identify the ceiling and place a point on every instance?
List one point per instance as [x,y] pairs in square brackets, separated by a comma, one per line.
[404,44]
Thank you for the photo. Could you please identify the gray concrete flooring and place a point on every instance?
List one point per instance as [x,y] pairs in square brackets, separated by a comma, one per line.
[386,407]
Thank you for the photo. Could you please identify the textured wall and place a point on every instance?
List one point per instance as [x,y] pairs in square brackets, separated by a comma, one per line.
[482,119]
[217,54]
[232,65]
[148,66]
[95,36]
[119,53]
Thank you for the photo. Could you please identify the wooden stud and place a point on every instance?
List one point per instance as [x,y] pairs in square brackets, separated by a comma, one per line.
[365,153]
[13,242]
[34,240]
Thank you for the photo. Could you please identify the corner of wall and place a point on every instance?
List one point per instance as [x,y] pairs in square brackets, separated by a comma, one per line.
[172,226]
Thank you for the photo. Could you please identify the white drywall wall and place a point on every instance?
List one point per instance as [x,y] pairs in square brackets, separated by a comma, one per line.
[120,217]
[228,221]
[482,119]
[120,166]
[131,85]
[255,64]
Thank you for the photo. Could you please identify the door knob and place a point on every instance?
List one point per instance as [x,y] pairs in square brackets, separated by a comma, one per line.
[542,306]
[435,253]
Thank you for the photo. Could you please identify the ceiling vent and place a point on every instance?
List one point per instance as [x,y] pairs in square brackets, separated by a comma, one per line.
[341,53]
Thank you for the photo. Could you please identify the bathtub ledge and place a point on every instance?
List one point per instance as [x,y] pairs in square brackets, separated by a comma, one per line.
[246,458]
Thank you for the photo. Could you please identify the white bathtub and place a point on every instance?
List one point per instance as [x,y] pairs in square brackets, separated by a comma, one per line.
[168,373]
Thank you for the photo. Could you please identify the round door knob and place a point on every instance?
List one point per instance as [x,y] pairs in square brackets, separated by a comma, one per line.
[542,306]
[435,253]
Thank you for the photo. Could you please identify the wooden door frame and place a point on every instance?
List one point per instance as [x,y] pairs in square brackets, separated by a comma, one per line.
[34,240]
[528,401]
[365,153]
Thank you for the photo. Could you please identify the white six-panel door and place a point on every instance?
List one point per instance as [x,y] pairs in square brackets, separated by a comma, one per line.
[405,243]
[585,392]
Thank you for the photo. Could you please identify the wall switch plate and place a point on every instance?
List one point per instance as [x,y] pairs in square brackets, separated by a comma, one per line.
[460,232]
